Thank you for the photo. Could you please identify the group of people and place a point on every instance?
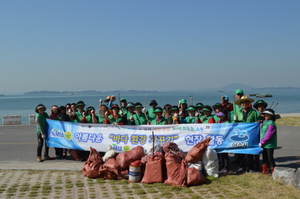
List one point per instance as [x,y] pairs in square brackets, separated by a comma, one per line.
[129,113]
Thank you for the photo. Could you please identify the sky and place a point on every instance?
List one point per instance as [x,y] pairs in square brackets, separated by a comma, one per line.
[74,45]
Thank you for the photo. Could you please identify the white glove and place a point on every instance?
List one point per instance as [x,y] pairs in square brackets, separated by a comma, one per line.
[43,136]
[144,110]
[260,145]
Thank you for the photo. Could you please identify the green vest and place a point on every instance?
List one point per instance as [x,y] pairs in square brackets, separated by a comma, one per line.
[206,119]
[127,116]
[89,119]
[124,110]
[252,116]
[79,117]
[101,119]
[140,119]
[117,119]
[42,119]
[216,118]
[163,121]
[190,119]
[151,114]
[272,143]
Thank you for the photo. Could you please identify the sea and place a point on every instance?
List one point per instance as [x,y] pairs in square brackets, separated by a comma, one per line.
[285,100]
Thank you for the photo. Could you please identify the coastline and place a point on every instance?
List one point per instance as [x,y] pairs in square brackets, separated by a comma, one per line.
[289,114]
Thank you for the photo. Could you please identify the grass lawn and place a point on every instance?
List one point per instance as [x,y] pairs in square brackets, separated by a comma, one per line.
[72,184]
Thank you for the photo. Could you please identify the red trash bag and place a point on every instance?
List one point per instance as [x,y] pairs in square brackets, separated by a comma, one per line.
[154,170]
[176,170]
[125,159]
[111,170]
[75,154]
[92,165]
[170,146]
[194,177]
[196,153]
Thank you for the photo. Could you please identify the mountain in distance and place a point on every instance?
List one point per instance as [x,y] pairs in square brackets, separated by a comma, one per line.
[234,86]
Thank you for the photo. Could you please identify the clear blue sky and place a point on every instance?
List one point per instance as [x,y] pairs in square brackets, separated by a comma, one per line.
[149,45]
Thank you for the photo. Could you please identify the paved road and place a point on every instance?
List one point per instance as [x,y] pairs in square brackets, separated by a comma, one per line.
[18,149]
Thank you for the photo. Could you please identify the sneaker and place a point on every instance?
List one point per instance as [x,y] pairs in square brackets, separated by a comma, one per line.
[240,171]
[47,157]
[39,159]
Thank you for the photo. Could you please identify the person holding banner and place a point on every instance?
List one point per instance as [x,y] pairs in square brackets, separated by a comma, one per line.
[55,115]
[207,117]
[115,117]
[80,107]
[223,157]
[246,114]
[174,115]
[159,119]
[41,130]
[268,135]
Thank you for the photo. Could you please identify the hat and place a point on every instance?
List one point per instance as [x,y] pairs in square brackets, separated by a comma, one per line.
[54,106]
[153,102]
[260,102]
[239,91]
[224,97]
[174,108]
[191,108]
[217,105]
[243,98]
[80,103]
[206,108]
[90,108]
[158,110]
[269,111]
[182,101]
[122,99]
[113,98]
[199,104]
[130,104]
[39,107]
[138,104]
[220,114]
[115,106]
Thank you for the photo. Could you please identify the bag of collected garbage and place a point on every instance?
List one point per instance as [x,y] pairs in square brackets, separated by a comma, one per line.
[111,169]
[197,166]
[124,159]
[194,177]
[149,148]
[170,146]
[93,164]
[176,169]
[196,153]
[154,169]
[109,154]
[211,162]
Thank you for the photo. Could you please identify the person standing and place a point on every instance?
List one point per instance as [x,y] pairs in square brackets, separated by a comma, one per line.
[123,108]
[139,117]
[217,107]
[246,114]
[159,119]
[268,136]
[41,129]
[260,106]
[150,111]
[55,115]
[128,117]
[207,117]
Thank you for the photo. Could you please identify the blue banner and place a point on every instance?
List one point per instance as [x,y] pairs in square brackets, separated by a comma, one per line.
[225,137]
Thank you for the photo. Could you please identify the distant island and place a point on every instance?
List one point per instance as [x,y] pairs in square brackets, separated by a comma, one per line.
[87,92]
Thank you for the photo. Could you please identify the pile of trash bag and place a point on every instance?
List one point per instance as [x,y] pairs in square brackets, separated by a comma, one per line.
[159,164]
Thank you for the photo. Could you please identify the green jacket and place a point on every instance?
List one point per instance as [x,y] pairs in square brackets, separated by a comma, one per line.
[205,120]
[251,117]
[41,124]
[118,119]
[127,117]
[272,143]
[190,119]
[140,119]
[151,114]
[216,118]
[163,121]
